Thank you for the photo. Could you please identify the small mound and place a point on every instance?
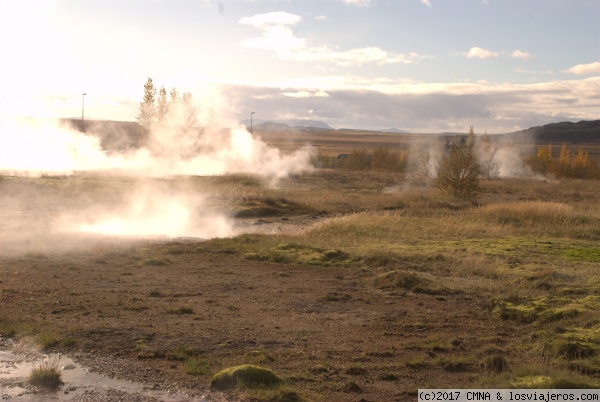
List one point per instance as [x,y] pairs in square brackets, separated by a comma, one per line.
[245,376]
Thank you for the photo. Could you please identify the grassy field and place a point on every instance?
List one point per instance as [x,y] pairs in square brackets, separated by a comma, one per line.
[392,286]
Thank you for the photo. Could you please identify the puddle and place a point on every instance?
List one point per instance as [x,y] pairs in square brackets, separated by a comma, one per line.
[79,382]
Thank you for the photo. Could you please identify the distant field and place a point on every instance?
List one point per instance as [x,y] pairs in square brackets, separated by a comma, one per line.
[333,142]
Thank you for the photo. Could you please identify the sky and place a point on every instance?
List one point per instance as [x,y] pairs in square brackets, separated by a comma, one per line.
[416,65]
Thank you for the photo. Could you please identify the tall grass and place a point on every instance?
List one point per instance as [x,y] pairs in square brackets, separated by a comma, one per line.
[542,217]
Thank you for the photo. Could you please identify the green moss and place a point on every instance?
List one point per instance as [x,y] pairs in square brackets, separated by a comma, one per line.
[245,376]
[413,281]
[589,254]
[196,366]
[540,381]
[575,343]
[182,353]
[546,309]
[296,253]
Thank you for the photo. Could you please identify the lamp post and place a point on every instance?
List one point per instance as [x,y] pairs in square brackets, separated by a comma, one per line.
[82,104]
[251,131]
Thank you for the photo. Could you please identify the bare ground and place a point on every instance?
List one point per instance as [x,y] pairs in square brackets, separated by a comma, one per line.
[326,330]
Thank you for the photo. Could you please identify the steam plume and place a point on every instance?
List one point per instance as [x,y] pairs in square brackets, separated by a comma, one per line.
[35,148]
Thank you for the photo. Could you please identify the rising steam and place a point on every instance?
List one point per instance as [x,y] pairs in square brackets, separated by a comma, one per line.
[34,148]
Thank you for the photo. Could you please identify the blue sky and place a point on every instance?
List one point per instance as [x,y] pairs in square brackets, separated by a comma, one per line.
[419,65]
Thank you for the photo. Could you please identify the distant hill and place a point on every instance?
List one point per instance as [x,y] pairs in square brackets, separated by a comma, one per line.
[395,131]
[557,133]
[302,123]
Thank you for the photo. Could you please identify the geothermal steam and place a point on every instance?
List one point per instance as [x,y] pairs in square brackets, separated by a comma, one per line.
[35,148]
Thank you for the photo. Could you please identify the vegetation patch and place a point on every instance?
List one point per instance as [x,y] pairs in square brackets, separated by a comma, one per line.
[545,309]
[589,253]
[182,310]
[522,213]
[46,375]
[575,343]
[407,280]
[48,340]
[156,262]
[456,364]
[245,376]
[182,353]
[259,357]
[495,363]
[540,381]
[196,366]
[287,253]
[269,206]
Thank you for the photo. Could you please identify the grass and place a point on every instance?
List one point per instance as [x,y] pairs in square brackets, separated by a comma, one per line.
[46,375]
[526,253]
[196,366]
[156,262]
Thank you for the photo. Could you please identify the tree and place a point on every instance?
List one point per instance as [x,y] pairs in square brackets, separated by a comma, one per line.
[458,170]
[163,106]
[189,111]
[172,106]
[489,166]
[424,169]
[147,114]
[182,111]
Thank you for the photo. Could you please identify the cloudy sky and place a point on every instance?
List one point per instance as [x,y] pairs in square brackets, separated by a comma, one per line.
[419,65]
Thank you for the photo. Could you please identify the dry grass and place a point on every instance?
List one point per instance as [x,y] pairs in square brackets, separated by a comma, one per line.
[526,254]
[47,374]
[549,218]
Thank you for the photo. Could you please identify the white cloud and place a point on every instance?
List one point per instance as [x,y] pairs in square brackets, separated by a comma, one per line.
[306,94]
[517,54]
[479,53]
[585,69]
[320,18]
[533,72]
[267,20]
[355,101]
[360,3]
[426,2]
[278,37]
[357,56]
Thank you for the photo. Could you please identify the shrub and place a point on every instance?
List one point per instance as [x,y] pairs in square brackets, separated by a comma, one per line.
[458,170]
[358,160]
[46,375]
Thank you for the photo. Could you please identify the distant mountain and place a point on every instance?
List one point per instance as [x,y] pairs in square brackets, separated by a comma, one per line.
[395,130]
[302,123]
[558,133]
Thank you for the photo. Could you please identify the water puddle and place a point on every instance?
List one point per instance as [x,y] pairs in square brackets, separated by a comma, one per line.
[79,382]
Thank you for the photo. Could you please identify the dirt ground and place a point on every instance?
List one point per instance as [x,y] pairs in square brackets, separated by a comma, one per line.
[329,334]
[142,309]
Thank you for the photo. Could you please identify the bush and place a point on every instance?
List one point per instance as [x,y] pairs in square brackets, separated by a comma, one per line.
[358,160]
[46,375]
[458,170]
